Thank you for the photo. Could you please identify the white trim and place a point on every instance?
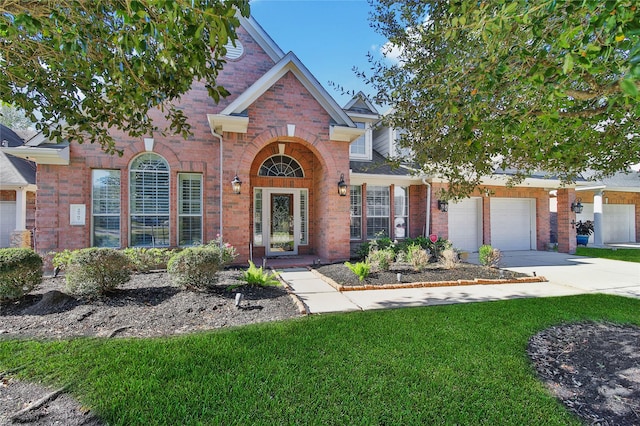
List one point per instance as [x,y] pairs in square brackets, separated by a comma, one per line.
[41,155]
[228,123]
[289,63]
[263,39]
[345,134]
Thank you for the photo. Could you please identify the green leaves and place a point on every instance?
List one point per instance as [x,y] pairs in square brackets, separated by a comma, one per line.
[102,66]
[524,85]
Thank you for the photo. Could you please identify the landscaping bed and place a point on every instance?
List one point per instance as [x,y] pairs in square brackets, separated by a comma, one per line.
[434,275]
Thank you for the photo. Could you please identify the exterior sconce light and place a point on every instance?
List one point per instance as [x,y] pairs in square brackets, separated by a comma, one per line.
[342,186]
[577,206]
[236,183]
[443,206]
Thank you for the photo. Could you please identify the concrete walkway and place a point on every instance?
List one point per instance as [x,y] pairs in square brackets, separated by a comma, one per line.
[567,275]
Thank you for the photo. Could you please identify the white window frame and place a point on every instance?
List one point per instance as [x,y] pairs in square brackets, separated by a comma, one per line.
[368,142]
[194,205]
[155,211]
[112,204]
[378,210]
[355,205]
[400,221]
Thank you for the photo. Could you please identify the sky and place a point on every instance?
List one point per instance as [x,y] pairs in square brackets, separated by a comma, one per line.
[330,37]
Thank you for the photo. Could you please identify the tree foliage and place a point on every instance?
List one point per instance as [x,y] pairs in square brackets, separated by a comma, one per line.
[13,118]
[80,68]
[520,85]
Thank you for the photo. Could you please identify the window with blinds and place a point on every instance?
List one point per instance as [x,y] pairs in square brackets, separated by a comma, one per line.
[149,201]
[105,200]
[189,209]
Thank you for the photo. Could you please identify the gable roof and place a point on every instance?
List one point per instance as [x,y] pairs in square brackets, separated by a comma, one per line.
[14,172]
[360,104]
[233,117]
[261,37]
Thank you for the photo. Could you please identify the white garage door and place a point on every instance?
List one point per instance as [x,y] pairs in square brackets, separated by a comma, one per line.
[513,225]
[618,222]
[465,224]
[7,221]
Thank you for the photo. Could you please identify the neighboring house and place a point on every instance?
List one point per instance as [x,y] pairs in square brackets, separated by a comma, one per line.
[613,203]
[17,194]
[288,146]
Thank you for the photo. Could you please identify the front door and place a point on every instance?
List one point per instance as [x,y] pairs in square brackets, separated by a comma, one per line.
[281,230]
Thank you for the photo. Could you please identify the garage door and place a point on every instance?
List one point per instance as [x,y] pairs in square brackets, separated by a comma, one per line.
[7,221]
[618,222]
[513,225]
[465,224]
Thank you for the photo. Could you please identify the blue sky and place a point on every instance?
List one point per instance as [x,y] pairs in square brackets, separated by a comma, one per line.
[329,36]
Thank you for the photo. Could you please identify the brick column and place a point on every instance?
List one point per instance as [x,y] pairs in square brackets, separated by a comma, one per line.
[566,231]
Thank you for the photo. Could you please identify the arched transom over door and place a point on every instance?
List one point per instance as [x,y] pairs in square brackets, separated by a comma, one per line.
[280,213]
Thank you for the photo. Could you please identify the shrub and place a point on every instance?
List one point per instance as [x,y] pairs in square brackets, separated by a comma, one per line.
[61,259]
[148,259]
[418,257]
[258,277]
[381,259]
[195,268]
[450,258]
[361,269]
[226,251]
[489,256]
[20,272]
[95,271]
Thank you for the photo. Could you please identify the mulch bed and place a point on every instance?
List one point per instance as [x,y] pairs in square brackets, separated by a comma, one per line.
[343,279]
[593,368]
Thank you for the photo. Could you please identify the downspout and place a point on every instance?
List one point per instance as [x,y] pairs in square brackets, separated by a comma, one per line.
[221,179]
[427,228]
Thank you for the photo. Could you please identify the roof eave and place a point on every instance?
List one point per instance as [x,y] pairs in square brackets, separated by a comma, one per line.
[40,155]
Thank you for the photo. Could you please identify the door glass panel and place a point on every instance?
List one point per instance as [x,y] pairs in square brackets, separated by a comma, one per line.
[282,234]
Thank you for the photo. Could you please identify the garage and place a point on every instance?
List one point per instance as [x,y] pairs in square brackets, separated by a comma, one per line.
[465,224]
[618,222]
[7,221]
[513,224]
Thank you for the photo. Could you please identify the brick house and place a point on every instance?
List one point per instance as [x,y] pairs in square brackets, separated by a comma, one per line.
[290,147]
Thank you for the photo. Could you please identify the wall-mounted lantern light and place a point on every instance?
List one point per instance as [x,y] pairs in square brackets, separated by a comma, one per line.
[443,206]
[236,183]
[342,186]
[577,206]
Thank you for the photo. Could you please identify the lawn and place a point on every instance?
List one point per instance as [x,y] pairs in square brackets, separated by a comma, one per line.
[456,364]
[629,255]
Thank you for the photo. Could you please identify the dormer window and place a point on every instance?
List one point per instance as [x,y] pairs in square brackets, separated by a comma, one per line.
[360,149]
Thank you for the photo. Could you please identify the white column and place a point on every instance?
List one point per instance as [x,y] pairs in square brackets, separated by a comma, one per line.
[597,219]
[21,209]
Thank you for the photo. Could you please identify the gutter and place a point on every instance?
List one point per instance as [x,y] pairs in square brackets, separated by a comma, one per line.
[427,229]
[221,178]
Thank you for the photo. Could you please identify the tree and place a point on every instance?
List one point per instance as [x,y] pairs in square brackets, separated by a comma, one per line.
[85,67]
[522,85]
[13,118]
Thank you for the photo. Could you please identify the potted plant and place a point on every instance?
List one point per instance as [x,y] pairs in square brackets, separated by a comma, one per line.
[583,230]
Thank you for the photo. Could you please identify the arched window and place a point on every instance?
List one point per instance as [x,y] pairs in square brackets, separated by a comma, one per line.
[149,201]
[281,166]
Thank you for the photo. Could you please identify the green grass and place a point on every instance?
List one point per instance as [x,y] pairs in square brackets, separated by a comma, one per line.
[629,255]
[457,364]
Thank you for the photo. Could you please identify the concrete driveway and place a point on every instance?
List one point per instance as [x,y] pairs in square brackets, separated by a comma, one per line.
[590,275]
[567,275]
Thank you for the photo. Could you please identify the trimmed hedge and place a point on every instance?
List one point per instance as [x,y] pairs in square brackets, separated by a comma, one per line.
[20,272]
[95,271]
